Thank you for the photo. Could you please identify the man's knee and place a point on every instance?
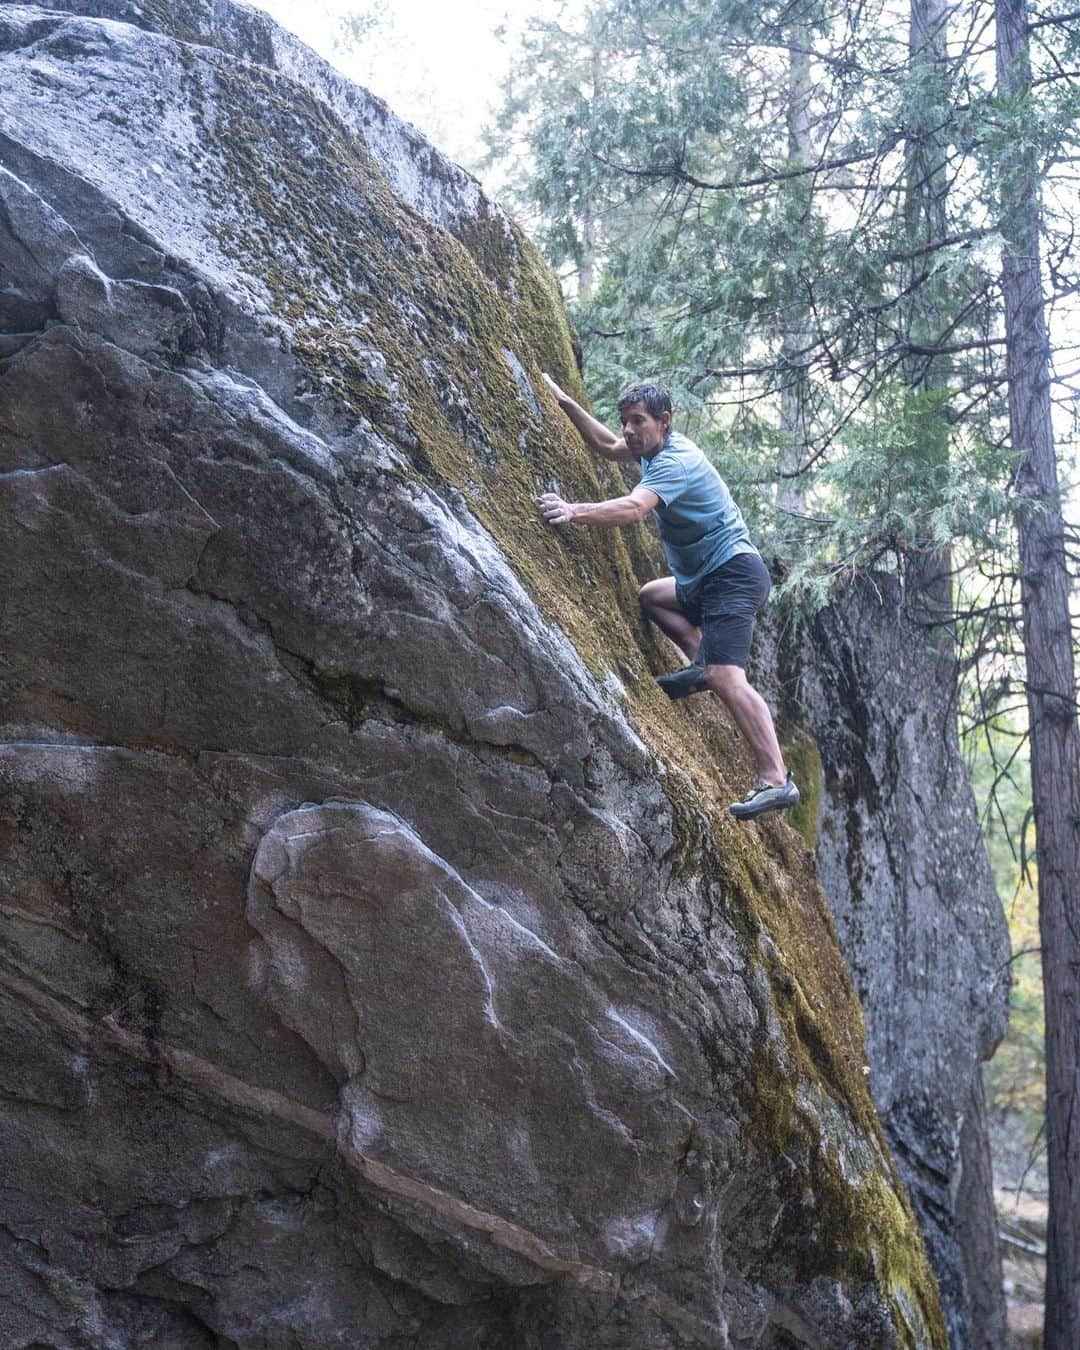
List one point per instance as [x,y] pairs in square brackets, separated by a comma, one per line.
[726,680]
[649,596]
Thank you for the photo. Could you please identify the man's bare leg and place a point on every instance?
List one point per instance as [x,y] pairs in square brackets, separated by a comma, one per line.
[752,717]
[657,599]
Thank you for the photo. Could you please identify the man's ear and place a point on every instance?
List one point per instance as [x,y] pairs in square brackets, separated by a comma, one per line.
[665,421]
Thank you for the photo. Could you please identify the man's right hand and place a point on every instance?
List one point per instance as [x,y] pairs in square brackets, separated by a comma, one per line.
[554,509]
[561,395]
[595,435]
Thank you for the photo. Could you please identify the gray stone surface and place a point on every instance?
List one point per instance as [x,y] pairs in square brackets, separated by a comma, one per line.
[902,862]
[378,966]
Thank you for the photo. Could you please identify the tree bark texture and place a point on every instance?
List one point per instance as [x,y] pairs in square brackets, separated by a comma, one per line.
[929,574]
[976,1219]
[793,392]
[1051,687]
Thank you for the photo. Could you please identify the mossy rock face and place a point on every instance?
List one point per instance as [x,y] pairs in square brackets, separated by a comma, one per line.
[868,699]
[803,758]
[357,854]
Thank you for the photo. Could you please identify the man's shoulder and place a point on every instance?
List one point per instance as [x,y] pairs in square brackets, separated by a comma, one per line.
[679,443]
[675,453]
[667,461]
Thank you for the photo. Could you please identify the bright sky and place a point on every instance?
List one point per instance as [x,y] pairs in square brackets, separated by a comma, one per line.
[437,63]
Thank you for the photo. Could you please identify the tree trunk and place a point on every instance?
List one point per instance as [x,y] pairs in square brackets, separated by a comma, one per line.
[1051,689]
[976,1222]
[928,574]
[587,250]
[791,495]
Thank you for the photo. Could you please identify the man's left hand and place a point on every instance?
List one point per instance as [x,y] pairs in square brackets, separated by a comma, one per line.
[554,510]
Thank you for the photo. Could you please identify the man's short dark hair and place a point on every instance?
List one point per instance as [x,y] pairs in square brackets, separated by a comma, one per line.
[656,398]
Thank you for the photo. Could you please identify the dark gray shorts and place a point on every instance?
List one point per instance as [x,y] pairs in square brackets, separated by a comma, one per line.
[723,604]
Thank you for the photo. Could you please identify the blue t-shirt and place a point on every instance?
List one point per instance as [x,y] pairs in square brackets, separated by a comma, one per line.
[700,526]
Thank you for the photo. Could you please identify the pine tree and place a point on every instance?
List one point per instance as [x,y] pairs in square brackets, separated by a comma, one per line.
[1051,680]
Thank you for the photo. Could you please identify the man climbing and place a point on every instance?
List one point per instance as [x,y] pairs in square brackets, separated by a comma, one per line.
[720,582]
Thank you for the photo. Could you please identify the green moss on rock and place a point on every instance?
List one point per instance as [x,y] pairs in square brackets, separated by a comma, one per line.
[803,758]
[855,1230]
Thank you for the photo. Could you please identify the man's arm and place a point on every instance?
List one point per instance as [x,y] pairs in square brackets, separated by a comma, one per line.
[595,435]
[618,511]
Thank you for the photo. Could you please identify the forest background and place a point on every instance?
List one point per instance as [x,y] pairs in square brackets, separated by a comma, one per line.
[796,216]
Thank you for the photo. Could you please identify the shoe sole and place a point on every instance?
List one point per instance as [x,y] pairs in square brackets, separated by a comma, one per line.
[762,810]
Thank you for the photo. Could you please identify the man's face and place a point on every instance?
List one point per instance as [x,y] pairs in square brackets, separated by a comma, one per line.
[643,433]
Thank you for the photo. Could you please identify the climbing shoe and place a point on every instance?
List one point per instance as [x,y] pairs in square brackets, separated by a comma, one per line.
[766,797]
[689,680]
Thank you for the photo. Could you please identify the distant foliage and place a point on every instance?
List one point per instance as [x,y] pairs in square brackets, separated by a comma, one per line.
[358,24]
